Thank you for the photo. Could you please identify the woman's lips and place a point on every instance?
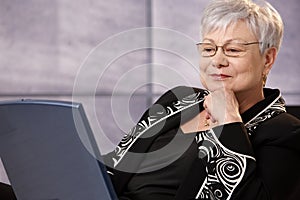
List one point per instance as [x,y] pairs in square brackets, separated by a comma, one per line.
[219,77]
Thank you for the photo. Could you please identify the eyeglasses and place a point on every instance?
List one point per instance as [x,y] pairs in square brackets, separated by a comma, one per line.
[232,49]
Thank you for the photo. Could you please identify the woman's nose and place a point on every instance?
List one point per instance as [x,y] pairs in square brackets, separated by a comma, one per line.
[220,59]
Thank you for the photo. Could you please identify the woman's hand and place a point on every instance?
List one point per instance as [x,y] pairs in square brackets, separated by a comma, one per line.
[222,107]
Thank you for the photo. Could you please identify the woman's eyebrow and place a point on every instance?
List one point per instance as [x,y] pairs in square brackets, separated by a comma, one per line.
[226,41]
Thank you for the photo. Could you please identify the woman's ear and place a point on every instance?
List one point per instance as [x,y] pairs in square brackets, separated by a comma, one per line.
[269,59]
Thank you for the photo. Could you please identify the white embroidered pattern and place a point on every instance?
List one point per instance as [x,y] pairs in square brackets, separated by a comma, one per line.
[225,168]
[275,109]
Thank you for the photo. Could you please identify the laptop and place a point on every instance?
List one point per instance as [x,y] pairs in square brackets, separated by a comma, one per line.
[48,151]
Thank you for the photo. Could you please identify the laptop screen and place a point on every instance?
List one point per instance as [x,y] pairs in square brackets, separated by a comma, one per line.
[47,150]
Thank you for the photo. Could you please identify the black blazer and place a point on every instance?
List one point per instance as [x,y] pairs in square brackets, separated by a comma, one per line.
[266,148]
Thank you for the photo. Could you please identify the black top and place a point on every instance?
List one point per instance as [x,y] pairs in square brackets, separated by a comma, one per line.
[162,182]
[6,192]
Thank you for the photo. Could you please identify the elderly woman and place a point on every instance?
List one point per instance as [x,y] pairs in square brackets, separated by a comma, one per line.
[233,140]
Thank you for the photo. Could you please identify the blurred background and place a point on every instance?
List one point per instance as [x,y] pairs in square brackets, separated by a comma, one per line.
[45,46]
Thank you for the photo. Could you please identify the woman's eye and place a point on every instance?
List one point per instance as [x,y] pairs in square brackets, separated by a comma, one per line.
[208,49]
[233,50]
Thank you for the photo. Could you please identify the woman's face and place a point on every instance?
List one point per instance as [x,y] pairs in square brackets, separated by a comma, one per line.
[239,74]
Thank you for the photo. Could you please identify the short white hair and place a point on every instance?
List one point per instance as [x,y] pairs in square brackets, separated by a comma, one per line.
[262,19]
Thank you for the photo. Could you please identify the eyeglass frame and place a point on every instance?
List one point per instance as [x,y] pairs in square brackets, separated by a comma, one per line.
[222,47]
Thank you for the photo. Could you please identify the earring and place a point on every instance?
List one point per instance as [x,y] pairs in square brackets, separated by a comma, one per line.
[264,79]
[206,123]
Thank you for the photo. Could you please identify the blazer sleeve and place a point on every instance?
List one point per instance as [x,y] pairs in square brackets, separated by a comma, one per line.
[275,173]
[239,168]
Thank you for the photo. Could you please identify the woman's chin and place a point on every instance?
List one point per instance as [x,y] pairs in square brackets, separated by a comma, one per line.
[218,86]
